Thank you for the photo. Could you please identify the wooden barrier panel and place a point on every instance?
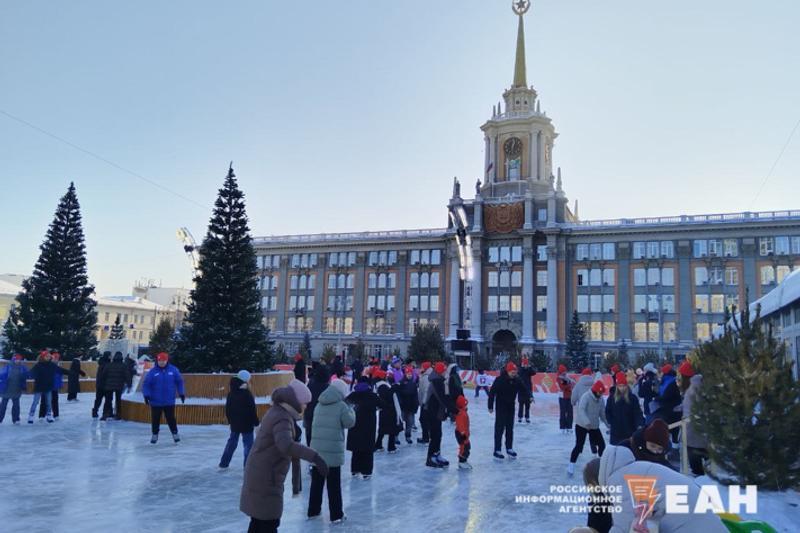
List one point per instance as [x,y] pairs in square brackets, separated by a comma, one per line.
[189,414]
[87,385]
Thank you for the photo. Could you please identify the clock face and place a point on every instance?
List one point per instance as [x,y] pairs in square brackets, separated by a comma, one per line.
[513,148]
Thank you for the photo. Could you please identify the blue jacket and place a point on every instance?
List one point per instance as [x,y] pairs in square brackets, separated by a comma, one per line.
[15,389]
[162,384]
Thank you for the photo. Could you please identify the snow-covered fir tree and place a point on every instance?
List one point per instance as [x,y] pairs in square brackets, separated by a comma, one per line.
[117,330]
[577,348]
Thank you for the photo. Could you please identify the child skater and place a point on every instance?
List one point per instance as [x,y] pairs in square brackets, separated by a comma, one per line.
[462,433]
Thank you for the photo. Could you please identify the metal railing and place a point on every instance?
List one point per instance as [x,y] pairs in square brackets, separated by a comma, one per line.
[745,216]
[353,236]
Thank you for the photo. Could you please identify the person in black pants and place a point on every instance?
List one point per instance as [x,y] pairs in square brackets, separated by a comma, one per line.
[361,437]
[115,377]
[100,393]
[317,382]
[58,380]
[503,394]
[526,393]
[435,413]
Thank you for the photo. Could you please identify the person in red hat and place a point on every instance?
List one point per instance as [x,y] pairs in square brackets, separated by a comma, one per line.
[503,395]
[525,374]
[462,433]
[299,368]
[44,376]
[58,381]
[623,412]
[422,392]
[161,385]
[565,385]
[408,396]
[436,411]
[587,423]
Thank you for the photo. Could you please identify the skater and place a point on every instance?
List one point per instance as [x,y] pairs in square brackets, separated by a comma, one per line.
[453,387]
[361,437]
[651,443]
[13,380]
[389,420]
[667,405]
[161,384]
[397,369]
[58,382]
[317,383]
[623,412]
[565,384]
[99,393]
[268,463]
[435,412]
[409,401]
[462,433]
[240,410]
[504,392]
[481,382]
[299,368]
[44,377]
[337,367]
[587,422]
[583,385]
[422,394]
[115,378]
[331,417]
[131,364]
[695,440]
[74,380]
[648,387]
[526,393]
[618,462]
[600,504]
[356,370]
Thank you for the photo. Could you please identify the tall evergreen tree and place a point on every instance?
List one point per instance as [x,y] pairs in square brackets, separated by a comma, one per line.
[427,344]
[749,405]
[305,347]
[223,330]
[577,348]
[55,309]
[161,340]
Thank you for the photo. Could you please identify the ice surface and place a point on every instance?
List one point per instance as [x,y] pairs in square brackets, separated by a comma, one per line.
[77,475]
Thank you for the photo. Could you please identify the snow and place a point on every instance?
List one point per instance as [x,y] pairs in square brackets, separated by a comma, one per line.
[82,475]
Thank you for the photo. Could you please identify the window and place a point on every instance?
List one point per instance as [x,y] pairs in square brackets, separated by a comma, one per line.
[639,277]
[653,249]
[583,277]
[653,276]
[541,330]
[541,251]
[796,250]
[608,250]
[373,258]
[732,300]
[639,249]
[781,272]
[505,254]
[595,275]
[516,279]
[640,331]
[493,277]
[392,280]
[541,303]
[667,277]
[541,278]
[414,257]
[436,257]
[700,248]
[714,247]
[781,245]
[717,303]
[668,303]
[731,276]
[372,281]
[516,254]
[767,275]
[700,276]
[703,331]
[766,245]
[667,249]
[716,276]
[609,331]
[609,301]
[423,280]
[542,214]
[731,247]
[701,303]
[583,303]
[595,251]
[582,252]
[516,303]
[492,304]
[670,332]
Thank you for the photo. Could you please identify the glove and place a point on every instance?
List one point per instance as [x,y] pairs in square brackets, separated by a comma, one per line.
[147,400]
[183,398]
[320,465]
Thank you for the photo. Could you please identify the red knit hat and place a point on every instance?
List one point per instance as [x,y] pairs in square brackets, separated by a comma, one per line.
[686,369]
[379,374]
[298,357]
[621,378]
[562,369]
[18,357]
[426,365]
[461,402]
[510,366]
[439,368]
[163,356]
[666,368]
[657,432]
[599,387]
[55,355]
[586,371]
[408,369]
[614,368]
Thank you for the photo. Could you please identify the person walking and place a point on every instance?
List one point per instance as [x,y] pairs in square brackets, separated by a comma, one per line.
[422,395]
[462,433]
[623,412]
[587,422]
[99,392]
[389,420]
[565,385]
[317,383]
[332,417]
[44,376]
[13,381]
[502,398]
[409,401]
[481,382]
[58,382]
[272,452]
[116,378]
[161,384]
[240,410]
[361,437]
[435,412]
[74,380]
[526,373]
[356,370]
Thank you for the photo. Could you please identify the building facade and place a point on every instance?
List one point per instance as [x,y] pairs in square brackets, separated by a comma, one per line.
[515,261]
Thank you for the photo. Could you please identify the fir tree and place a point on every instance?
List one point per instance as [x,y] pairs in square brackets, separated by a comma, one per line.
[223,330]
[162,338]
[305,347]
[117,330]
[55,309]
[427,344]
[749,405]
[577,348]
[540,361]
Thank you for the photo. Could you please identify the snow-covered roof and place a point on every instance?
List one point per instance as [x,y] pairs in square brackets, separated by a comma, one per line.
[10,289]
[787,292]
[130,302]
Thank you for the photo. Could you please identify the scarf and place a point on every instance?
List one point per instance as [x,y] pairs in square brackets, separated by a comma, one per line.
[291,410]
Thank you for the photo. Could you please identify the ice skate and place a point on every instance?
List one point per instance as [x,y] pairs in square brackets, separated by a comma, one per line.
[433,463]
[463,465]
[339,520]
[50,419]
[571,469]
[498,455]
[30,419]
[511,453]
[154,438]
[441,460]
[176,438]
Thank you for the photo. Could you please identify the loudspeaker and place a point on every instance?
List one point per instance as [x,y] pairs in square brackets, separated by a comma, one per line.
[462,334]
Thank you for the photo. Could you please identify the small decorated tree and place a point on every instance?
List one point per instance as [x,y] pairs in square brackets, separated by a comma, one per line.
[577,347]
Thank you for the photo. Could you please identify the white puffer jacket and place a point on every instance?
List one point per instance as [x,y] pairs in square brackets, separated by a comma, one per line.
[591,410]
[618,461]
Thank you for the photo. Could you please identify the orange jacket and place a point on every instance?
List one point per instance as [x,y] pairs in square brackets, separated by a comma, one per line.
[462,422]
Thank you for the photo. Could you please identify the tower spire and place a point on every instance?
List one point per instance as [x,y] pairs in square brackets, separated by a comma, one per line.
[520,7]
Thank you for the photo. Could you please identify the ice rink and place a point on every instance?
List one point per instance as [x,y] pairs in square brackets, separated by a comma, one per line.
[79,475]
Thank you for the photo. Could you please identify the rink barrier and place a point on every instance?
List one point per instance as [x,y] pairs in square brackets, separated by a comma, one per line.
[188,414]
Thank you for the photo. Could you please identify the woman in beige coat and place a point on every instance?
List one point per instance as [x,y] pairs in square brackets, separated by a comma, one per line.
[270,457]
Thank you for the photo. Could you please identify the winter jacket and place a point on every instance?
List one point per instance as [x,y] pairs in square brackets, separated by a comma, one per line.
[337,368]
[624,416]
[397,373]
[668,399]
[647,390]
[590,411]
[357,368]
[584,384]
[617,462]
[132,365]
[13,380]
[694,439]
[435,403]
[361,437]
[162,384]
[74,378]
[316,384]
[453,386]
[300,370]
[525,374]
[101,364]
[240,408]
[44,375]
[424,380]
[270,457]
[331,417]
[504,392]
[390,418]
[565,384]
[462,423]
[637,445]
[115,376]
[407,394]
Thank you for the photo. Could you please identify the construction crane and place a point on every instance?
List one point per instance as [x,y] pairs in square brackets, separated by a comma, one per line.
[190,247]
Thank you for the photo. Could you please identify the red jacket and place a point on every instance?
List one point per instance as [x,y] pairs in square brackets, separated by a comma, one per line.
[565,384]
[462,422]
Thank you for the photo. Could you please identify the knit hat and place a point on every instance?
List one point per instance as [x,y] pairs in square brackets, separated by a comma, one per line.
[510,366]
[650,367]
[562,369]
[300,390]
[599,387]
[378,373]
[426,365]
[408,369]
[666,369]
[17,357]
[55,355]
[461,402]
[686,369]
[298,357]
[657,432]
[244,375]
[614,369]
[341,386]
[439,368]
[621,378]
[586,371]
[163,356]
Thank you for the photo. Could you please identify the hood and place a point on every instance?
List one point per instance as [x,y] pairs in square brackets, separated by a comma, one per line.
[696,380]
[586,380]
[286,395]
[236,383]
[613,459]
[330,395]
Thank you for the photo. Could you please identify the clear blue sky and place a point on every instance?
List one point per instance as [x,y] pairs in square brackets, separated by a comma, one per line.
[344,116]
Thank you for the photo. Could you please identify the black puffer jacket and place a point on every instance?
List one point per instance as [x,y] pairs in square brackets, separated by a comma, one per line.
[407,394]
[504,391]
[115,376]
[624,417]
[316,384]
[44,375]
[240,408]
